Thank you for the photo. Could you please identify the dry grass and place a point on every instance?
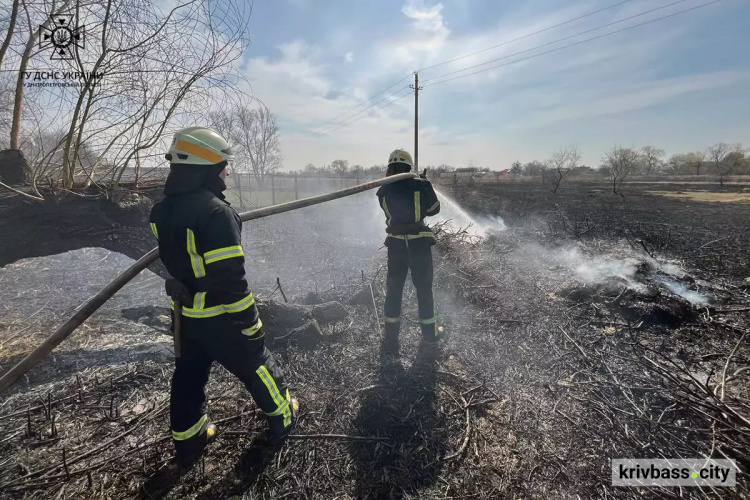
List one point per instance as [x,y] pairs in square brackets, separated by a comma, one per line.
[706,196]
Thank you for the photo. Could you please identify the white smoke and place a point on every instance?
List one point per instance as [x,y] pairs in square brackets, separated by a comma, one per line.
[684,292]
[576,260]
[585,268]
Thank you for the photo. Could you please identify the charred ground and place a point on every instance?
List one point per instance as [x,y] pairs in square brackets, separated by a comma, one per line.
[572,338]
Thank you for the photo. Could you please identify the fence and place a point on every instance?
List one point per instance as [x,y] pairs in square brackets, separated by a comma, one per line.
[466,178]
[244,190]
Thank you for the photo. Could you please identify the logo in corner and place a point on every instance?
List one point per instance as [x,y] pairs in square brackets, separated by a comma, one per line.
[61,36]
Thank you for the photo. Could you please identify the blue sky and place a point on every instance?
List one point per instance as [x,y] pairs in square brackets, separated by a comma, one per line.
[680,83]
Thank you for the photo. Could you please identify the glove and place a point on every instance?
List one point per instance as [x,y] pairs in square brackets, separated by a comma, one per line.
[178,291]
[423,175]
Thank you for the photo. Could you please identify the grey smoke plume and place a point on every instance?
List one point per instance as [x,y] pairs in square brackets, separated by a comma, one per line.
[576,260]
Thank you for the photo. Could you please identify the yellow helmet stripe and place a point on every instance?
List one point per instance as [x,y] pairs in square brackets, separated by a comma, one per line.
[199,151]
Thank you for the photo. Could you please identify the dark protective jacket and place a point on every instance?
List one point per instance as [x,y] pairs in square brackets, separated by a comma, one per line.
[406,203]
[200,244]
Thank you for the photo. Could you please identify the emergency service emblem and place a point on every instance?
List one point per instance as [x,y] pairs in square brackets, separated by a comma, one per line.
[61,37]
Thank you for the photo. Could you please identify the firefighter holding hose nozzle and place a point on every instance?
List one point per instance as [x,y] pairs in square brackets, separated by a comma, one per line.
[214,313]
[406,203]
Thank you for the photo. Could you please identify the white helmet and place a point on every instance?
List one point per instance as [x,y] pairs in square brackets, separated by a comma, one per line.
[199,146]
[400,156]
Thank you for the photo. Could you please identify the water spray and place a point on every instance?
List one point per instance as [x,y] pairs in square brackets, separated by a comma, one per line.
[476,226]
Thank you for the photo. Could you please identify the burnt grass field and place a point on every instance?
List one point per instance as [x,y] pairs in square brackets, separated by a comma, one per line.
[580,326]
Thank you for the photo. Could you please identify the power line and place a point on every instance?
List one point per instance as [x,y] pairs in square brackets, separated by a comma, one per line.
[525,36]
[560,48]
[336,123]
[336,118]
[371,112]
[345,121]
[352,118]
[556,41]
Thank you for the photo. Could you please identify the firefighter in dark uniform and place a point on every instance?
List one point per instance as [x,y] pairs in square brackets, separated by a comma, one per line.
[201,246]
[406,203]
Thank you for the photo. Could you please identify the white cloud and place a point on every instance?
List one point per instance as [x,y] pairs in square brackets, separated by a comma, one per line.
[426,19]
[349,57]
[296,74]
[409,49]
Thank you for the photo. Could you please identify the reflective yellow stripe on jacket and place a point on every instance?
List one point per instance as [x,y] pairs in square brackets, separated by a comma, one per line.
[388,217]
[154,230]
[423,234]
[222,253]
[196,261]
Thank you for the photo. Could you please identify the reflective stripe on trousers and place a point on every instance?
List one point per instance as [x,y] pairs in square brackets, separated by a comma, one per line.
[200,311]
[192,431]
[282,403]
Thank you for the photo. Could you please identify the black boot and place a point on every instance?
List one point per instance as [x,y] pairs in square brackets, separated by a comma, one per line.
[430,332]
[390,341]
[190,450]
[278,428]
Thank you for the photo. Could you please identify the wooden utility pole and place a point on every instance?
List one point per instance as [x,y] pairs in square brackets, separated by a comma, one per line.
[416,88]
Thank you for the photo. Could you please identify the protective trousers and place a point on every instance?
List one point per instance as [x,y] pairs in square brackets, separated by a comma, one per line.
[245,357]
[416,255]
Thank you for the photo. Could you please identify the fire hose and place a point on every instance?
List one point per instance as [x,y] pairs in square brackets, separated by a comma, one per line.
[95,302]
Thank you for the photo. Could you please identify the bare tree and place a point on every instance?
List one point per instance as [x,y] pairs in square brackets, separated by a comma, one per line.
[340,167]
[310,169]
[33,33]
[260,136]
[736,160]
[516,169]
[255,136]
[717,155]
[694,161]
[676,164]
[620,162]
[533,168]
[11,28]
[685,163]
[651,159]
[161,70]
[6,109]
[136,84]
[561,163]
